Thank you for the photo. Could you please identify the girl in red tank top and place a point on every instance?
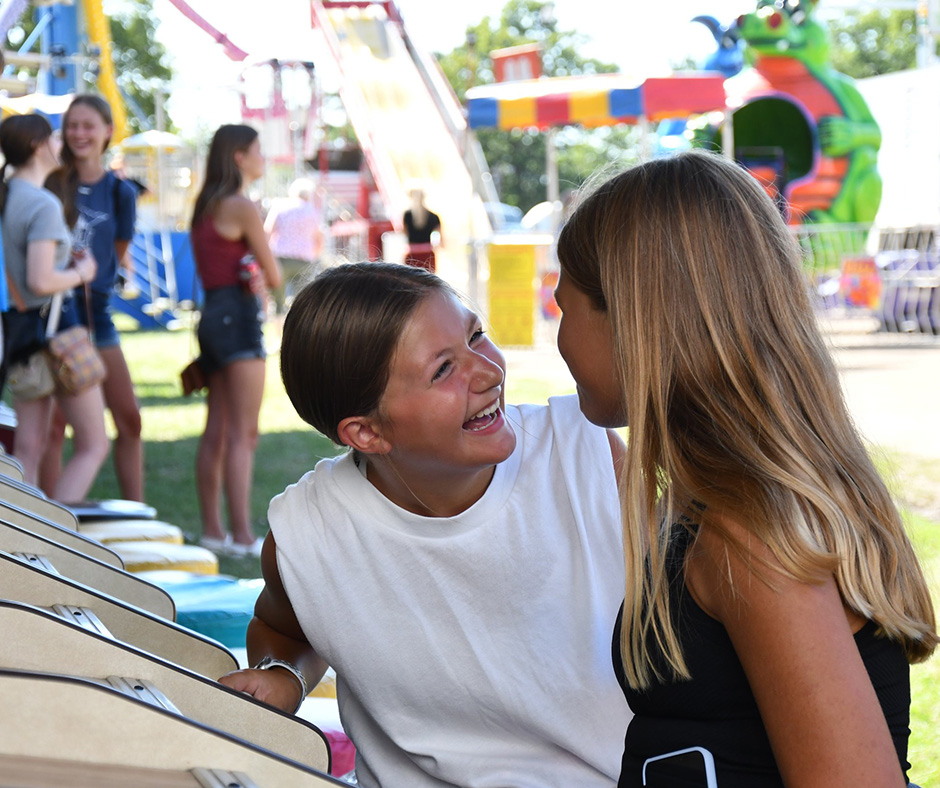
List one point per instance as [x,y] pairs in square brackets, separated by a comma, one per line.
[226,227]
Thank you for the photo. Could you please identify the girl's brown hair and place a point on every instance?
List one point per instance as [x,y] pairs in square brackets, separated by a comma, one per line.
[340,335]
[20,136]
[223,178]
[732,398]
[64,181]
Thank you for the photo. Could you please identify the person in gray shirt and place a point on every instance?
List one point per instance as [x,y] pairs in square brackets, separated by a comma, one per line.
[39,264]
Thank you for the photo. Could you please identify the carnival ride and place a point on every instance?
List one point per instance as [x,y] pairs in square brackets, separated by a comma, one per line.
[801,121]
[802,128]
[410,126]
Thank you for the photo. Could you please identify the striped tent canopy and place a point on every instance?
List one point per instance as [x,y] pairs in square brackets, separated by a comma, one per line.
[600,100]
[49,106]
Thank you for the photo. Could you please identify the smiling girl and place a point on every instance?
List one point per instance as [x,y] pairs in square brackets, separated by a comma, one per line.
[458,566]
[100,209]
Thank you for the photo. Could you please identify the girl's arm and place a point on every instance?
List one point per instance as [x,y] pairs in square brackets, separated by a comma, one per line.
[43,278]
[252,230]
[275,632]
[124,220]
[796,645]
[120,251]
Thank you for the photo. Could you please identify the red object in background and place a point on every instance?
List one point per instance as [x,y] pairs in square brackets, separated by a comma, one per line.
[376,230]
[547,302]
[7,427]
[421,256]
[343,752]
[860,282]
[516,63]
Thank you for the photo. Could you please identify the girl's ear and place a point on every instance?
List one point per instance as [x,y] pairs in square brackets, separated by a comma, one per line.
[362,433]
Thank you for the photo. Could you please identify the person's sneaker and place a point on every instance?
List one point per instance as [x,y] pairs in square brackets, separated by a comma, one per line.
[253,549]
[216,545]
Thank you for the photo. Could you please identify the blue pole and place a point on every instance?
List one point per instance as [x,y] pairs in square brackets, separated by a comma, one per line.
[60,41]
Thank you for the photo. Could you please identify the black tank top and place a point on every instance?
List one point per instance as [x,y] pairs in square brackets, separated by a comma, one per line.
[716,708]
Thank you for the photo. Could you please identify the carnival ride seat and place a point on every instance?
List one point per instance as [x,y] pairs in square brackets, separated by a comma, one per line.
[69,649]
[96,631]
[141,544]
[67,537]
[42,552]
[90,723]
[11,467]
[30,498]
[103,613]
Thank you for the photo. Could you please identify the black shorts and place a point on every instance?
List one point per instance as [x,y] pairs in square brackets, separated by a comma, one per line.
[230,328]
[25,332]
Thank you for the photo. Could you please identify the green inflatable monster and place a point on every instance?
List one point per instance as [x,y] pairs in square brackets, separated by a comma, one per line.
[802,127]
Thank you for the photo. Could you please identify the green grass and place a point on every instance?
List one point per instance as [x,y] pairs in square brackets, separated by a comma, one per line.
[924,753]
[288,448]
[173,423]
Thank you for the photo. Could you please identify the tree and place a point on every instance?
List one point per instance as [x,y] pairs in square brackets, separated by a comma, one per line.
[139,59]
[517,158]
[875,42]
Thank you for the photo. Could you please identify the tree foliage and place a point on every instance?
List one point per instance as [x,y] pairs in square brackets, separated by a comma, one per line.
[517,158]
[874,42]
[139,59]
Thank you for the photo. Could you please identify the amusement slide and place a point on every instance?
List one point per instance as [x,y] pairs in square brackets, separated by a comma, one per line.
[410,126]
[99,35]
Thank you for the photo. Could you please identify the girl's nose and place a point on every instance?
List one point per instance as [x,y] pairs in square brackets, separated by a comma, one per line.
[487,373]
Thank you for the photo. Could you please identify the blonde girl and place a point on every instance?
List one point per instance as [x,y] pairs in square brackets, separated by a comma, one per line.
[773,599]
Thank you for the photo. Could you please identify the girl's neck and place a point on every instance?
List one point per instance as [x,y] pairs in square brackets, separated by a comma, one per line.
[426,494]
[89,170]
[33,172]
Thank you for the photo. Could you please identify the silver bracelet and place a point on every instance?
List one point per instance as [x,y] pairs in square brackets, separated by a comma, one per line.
[273,662]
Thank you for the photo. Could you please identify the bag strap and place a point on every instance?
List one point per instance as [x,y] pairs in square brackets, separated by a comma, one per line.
[55,312]
[55,305]
[14,291]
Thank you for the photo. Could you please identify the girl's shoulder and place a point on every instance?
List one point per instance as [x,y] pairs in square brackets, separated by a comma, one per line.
[234,202]
[120,186]
[235,208]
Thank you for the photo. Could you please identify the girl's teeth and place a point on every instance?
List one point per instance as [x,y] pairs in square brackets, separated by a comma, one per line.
[486,411]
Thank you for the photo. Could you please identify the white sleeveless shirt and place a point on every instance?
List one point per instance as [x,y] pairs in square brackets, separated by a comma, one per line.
[472,650]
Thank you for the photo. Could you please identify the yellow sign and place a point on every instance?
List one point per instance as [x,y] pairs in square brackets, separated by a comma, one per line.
[512,293]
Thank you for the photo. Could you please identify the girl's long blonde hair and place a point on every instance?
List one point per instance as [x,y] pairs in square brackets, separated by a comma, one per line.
[732,398]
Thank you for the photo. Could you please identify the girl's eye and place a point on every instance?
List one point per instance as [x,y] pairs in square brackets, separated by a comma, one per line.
[478,334]
[440,372]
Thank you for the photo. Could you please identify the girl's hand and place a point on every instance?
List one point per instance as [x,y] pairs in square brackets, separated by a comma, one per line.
[276,687]
[84,263]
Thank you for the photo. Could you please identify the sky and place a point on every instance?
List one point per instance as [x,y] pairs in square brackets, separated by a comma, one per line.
[642,37]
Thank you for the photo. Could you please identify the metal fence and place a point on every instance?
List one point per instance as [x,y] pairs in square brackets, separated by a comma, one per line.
[891,273]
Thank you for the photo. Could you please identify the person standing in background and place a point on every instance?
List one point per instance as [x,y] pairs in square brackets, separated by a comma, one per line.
[40,263]
[235,266]
[421,226]
[101,209]
[293,227]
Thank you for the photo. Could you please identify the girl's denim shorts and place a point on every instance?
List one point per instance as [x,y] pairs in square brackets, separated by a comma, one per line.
[230,328]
